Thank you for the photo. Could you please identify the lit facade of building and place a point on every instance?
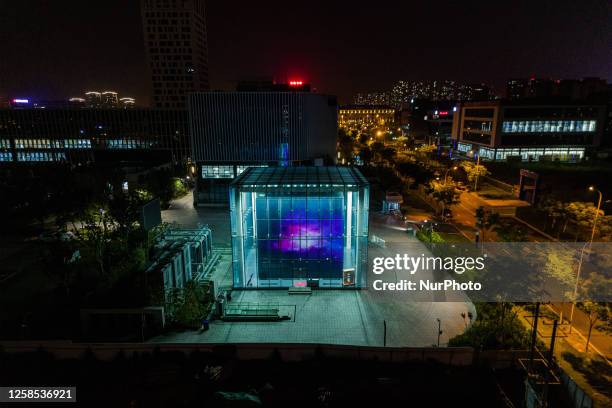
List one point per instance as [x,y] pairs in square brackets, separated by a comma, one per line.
[177,50]
[93,99]
[353,116]
[233,130]
[299,227]
[110,99]
[79,136]
[404,92]
[501,130]
[374,98]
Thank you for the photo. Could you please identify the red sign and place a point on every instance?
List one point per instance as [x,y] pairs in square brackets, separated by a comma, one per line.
[296,83]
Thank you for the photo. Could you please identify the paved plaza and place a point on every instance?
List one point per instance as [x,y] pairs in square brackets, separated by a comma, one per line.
[353,317]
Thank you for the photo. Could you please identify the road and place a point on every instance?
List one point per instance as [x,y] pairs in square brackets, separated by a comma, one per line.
[600,343]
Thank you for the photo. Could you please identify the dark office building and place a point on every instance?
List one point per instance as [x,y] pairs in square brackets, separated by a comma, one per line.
[177,50]
[429,121]
[502,130]
[231,131]
[79,136]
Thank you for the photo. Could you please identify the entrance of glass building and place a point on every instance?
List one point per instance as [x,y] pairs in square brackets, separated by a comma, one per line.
[298,234]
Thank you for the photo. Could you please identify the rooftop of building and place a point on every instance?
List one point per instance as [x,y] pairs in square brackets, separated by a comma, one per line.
[302,176]
[364,106]
[535,102]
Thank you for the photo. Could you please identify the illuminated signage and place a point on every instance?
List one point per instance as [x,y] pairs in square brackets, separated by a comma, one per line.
[296,83]
[21,101]
[443,113]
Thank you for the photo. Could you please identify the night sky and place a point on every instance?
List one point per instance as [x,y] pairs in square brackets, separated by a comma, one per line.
[59,48]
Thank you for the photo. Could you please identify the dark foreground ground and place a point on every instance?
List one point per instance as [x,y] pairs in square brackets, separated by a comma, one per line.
[216,379]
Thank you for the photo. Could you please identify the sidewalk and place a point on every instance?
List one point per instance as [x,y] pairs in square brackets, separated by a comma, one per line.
[600,343]
[590,372]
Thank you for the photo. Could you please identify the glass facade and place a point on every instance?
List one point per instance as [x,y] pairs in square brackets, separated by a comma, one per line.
[532,126]
[82,135]
[464,147]
[6,156]
[217,171]
[40,156]
[299,226]
[562,153]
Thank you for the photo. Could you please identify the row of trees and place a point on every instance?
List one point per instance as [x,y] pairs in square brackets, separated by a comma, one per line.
[105,248]
[574,219]
[506,229]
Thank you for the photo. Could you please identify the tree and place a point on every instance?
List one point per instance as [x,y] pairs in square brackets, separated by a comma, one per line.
[420,174]
[161,184]
[346,144]
[474,171]
[377,149]
[596,290]
[581,214]
[188,305]
[486,220]
[509,232]
[595,312]
[366,155]
[426,149]
[388,154]
[61,263]
[446,193]
[124,210]
[554,210]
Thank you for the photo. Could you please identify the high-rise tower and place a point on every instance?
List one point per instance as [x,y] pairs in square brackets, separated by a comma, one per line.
[177,52]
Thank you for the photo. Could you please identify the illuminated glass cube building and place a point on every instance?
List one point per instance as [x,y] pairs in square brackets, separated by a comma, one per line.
[299,226]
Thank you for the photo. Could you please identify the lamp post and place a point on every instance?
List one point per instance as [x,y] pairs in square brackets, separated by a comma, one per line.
[439,330]
[592,188]
[477,170]
[431,225]
[571,318]
[446,173]
[590,243]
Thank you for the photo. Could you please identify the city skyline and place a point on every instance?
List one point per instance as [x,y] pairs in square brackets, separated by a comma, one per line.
[321,45]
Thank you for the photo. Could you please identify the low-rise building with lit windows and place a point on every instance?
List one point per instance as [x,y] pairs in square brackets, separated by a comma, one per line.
[358,116]
[74,136]
[502,130]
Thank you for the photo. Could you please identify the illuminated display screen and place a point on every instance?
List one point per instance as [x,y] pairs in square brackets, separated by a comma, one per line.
[300,237]
[299,226]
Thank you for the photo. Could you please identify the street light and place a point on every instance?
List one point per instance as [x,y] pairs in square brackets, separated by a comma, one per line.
[477,169]
[439,330]
[431,226]
[590,243]
[571,318]
[592,188]
[454,168]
